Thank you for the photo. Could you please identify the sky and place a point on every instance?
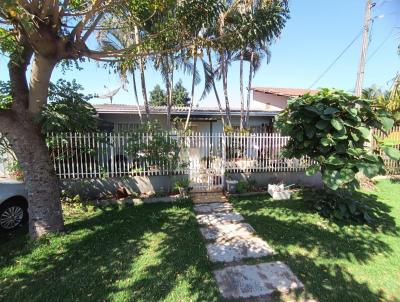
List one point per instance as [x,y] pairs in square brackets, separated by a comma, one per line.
[316,33]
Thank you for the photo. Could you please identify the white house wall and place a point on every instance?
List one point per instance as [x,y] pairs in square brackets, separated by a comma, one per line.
[269,102]
[198,126]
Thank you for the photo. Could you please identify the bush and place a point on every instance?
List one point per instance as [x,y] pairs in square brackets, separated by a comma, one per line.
[342,205]
[242,186]
[332,128]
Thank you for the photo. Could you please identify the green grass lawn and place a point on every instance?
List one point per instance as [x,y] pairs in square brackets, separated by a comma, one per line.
[336,262]
[137,253]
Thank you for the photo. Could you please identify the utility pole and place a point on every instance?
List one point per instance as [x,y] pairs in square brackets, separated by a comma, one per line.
[364,47]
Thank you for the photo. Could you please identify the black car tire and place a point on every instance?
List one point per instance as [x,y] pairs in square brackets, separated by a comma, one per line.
[13,213]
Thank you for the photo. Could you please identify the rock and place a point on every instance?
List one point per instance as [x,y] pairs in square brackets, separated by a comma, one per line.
[235,249]
[242,230]
[219,218]
[213,207]
[256,281]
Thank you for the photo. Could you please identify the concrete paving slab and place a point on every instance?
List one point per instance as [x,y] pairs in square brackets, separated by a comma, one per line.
[236,249]
[256,281]
[219,218]
[230,230]
[213,207]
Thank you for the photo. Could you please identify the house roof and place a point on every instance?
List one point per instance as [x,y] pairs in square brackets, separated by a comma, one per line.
[200,111]
[289,92]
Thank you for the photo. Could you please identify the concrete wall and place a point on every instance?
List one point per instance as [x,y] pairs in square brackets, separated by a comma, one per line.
[269,101]
[287,178]
[98,188]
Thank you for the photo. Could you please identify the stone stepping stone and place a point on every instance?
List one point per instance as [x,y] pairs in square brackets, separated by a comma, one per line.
[213,207]
[219,218]
[256,281]
[229,230]
[235,249]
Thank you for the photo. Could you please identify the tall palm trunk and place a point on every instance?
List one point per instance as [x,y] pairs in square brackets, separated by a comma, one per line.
[224,71]
[136,96]
[142,77]
[242,117]
[216,92]
[192,92]
[170,86]
[251,71]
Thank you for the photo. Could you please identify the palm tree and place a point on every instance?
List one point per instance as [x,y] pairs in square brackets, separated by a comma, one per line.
[192,90]
[209,82]
[121,39]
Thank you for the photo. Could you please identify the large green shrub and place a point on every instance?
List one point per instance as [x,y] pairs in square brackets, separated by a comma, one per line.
[333,128]
[151,145]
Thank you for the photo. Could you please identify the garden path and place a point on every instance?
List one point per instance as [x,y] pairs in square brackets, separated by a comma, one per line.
[230,241]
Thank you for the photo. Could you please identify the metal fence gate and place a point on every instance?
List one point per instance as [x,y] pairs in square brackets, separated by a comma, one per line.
[206,161]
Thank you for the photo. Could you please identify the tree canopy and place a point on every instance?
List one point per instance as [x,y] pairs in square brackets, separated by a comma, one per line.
[180,96]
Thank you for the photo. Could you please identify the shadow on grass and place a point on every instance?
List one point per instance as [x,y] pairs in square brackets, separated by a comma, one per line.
[316,249]
[142,253]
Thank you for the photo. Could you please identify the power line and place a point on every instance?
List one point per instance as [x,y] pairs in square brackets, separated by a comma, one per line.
[336,59]
[380,45]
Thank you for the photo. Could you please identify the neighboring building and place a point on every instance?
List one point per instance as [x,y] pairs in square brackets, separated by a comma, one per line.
[275,99]
[267,102]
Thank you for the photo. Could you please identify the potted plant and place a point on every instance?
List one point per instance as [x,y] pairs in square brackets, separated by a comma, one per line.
[183,186]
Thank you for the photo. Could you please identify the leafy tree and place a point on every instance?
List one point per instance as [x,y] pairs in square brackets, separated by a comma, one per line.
[49,33]
[332,128]
[68,110]
[180,96]
[158,96]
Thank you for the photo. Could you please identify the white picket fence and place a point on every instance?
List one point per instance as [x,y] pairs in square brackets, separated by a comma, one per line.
[94,155]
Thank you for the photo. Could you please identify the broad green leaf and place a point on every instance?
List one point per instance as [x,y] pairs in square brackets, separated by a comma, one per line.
[369,169]
[331,110]
[331,179]
[321,124]
[386,122]
[299,136]
[393,153]
[325,141]
[355,151]
[334,160]
[337,124]
[311,170]
[310,131]
[355,137]
[364,132]
[353,111]
[347,175]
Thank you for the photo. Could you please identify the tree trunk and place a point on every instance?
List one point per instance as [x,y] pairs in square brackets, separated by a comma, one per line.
[136,96]
[170,95]
[216,91]
[41,183]
[242,117]
[251,71]
[142,78]
[42,69]
[192,94]
[224,71]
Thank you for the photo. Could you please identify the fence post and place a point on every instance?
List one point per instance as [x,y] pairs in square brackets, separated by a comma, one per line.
[223,161]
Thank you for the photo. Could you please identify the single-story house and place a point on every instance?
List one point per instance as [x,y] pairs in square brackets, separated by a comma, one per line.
[267,102]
